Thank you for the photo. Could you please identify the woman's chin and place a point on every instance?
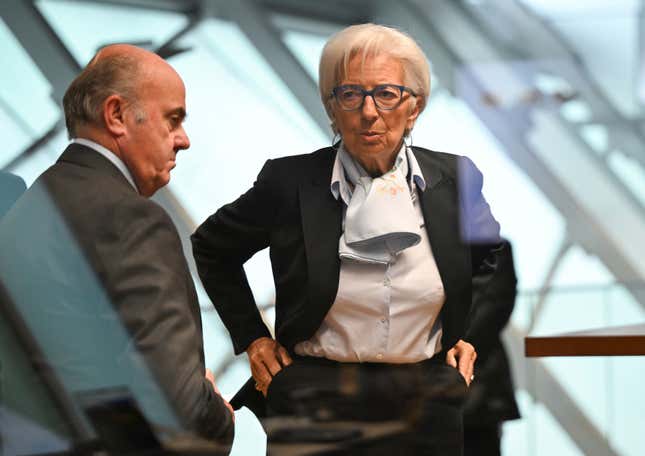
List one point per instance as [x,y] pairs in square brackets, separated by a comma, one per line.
[365,146]
[375,150]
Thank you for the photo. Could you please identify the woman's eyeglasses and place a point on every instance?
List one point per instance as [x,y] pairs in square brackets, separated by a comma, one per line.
[385,96]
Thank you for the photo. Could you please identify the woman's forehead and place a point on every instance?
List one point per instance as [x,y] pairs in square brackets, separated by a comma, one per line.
[362,66]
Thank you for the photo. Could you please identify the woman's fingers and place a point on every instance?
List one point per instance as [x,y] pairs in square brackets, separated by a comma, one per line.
[450,358]
[283,355]
[267,358]
[462,356]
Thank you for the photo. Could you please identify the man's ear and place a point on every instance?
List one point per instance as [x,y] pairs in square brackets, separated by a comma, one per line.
[113,115]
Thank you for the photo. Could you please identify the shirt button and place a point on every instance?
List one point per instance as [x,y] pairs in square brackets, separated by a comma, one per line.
[386,282]
[379,356]
[383,320]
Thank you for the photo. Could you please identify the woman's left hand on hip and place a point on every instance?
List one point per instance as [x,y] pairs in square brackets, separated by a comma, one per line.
[462,356]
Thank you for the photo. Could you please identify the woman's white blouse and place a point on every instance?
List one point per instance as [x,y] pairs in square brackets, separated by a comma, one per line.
[384,313]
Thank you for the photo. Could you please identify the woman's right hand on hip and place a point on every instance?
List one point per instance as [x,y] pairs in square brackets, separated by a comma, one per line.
[267,357]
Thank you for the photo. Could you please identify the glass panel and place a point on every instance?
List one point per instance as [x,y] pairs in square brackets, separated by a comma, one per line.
[240,114]
[602,389]
[307,48]
[77,338]
[574,9]
[86,26]
[626,404]
[596,136]
[16,139]
[45,156]
[27,405]
[578,268]
[549,436]
[630,172]
[22,118]
[441,127]
[612,63]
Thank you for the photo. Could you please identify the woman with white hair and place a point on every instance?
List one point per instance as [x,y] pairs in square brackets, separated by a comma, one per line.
[370,248]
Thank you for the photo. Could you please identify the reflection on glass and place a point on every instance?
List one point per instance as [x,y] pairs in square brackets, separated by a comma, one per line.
[31,416]
[77,336]
[259,119]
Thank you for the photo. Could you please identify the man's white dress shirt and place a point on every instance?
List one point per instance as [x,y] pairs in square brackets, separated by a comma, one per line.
[107,153]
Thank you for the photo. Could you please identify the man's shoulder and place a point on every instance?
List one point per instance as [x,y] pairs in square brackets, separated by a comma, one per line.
[139,208]
[92,202]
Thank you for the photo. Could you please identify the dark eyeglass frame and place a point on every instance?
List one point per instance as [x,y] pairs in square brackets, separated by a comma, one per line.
[336,90]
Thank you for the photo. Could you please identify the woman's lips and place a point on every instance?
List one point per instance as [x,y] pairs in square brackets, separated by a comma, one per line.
[370,135]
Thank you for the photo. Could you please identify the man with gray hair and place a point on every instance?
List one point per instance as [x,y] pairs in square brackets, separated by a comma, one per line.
[124,114]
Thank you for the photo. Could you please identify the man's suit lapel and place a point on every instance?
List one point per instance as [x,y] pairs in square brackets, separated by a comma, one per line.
[87,157]
[321,227]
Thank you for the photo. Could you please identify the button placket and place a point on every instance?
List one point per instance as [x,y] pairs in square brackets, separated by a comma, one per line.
[385,313]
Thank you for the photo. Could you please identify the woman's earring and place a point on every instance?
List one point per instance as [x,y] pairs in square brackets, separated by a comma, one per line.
[335,142]
[407,138]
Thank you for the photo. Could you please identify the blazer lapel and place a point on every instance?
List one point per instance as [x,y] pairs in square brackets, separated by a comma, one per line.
[321,227]
[440,207]
[438,204]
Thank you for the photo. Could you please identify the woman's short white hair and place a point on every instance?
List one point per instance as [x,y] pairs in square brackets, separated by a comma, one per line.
[372,40]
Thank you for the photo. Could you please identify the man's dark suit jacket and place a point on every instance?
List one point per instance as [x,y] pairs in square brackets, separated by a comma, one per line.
[291,210]
[135,254]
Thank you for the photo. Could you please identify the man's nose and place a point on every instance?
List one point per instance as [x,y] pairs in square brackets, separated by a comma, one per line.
[181,140]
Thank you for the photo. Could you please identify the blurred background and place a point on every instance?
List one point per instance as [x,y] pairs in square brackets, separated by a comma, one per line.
[545,96]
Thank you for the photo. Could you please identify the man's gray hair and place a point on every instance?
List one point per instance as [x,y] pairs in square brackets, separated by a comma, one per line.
[102,77]
[372,40]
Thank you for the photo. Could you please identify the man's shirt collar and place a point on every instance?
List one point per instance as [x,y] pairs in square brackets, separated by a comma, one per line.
[107,153]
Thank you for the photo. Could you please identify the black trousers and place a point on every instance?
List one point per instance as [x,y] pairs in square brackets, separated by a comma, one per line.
[482,440]
[426,397]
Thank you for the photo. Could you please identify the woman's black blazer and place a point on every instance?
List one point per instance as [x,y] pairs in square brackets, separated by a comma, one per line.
[291,210]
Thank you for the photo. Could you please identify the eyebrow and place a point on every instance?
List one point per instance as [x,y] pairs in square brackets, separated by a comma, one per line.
[181,112]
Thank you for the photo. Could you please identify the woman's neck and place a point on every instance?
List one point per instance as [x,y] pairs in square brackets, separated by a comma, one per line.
[377,165]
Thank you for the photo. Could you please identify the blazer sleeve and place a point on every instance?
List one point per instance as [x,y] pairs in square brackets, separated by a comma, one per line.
[493,275]
[494,292]
[153,292]
[221,246]
[478,226]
